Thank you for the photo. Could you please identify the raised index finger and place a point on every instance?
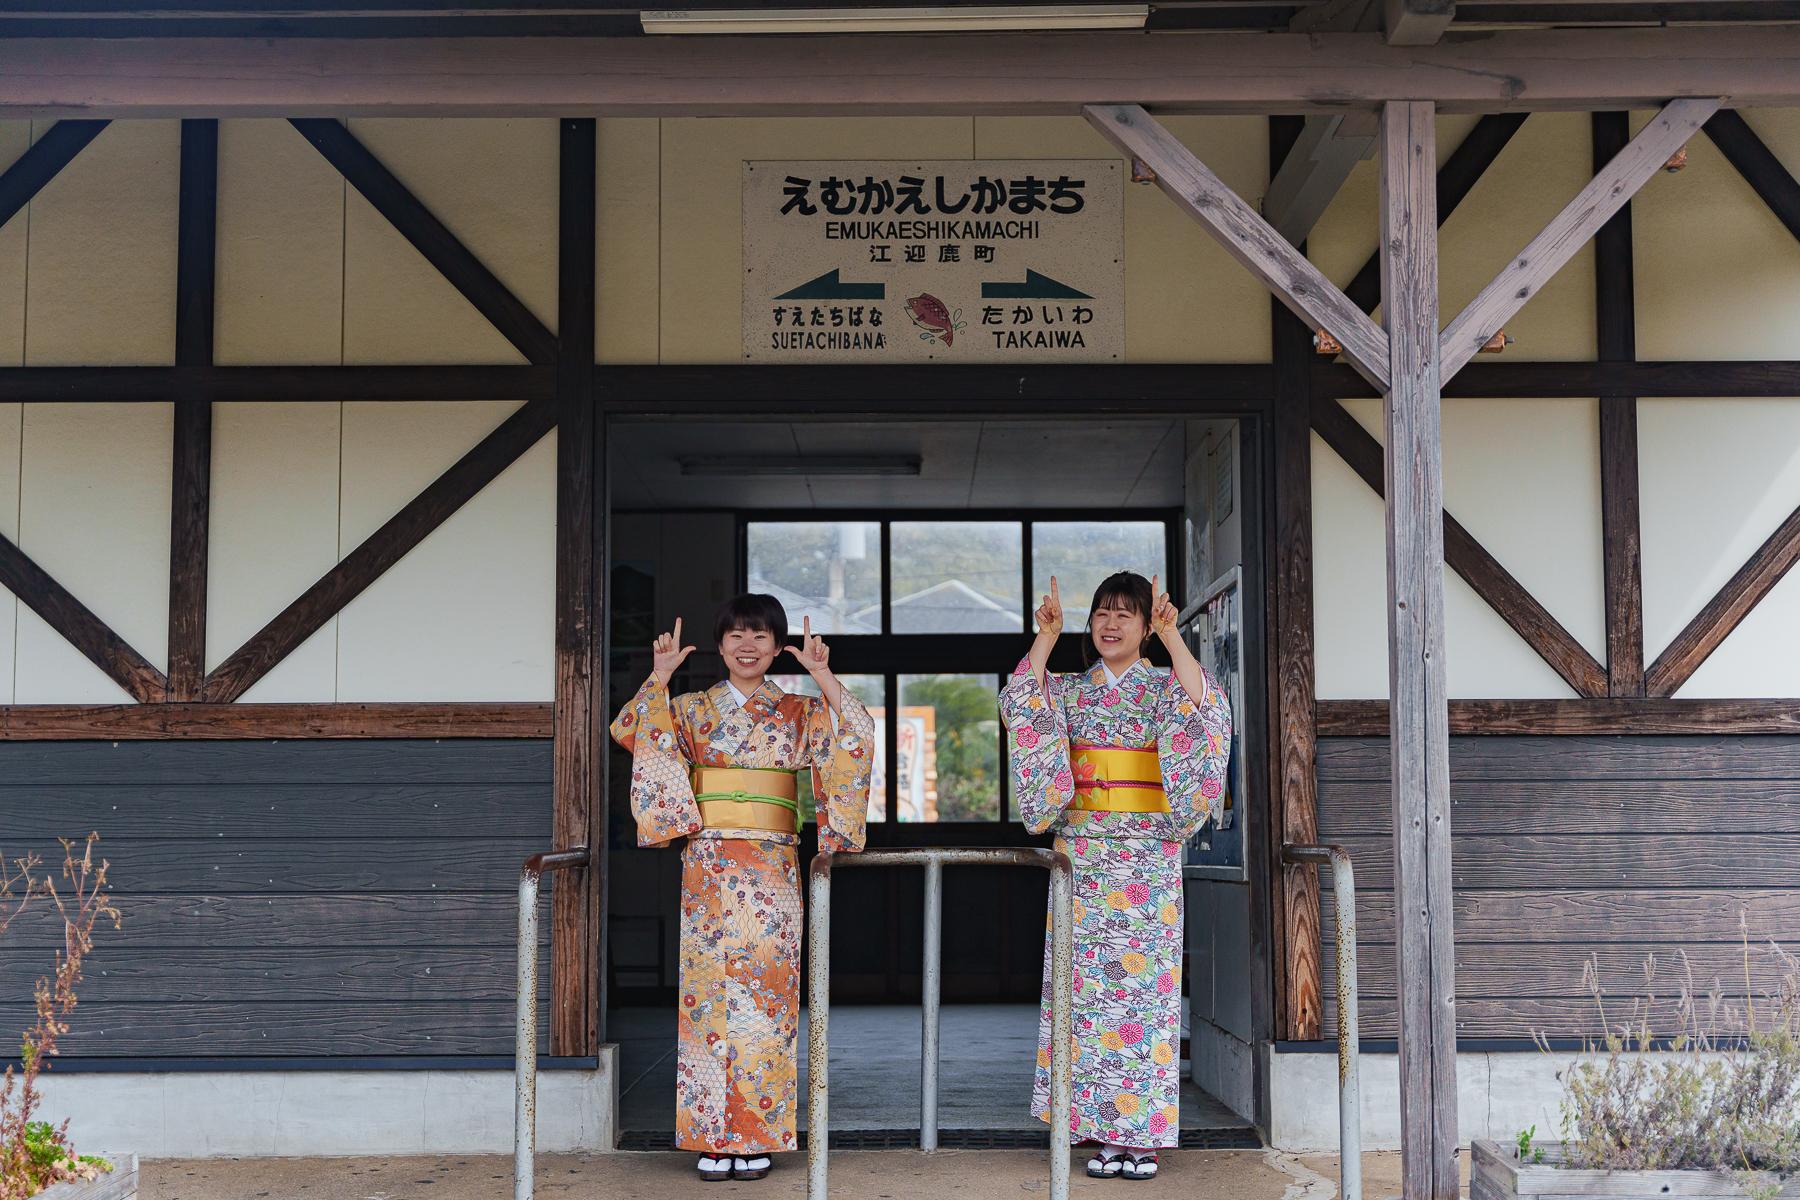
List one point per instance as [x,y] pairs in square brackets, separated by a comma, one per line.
[806,628]
[1054,594]
[677,631]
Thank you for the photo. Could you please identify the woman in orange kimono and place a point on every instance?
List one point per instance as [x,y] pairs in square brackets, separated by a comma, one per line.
[719,768]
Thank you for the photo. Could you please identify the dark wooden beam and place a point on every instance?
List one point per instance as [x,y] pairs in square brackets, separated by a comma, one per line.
[1615,322]
[191,722]
[1629,716]
[1420,738]
[1466,164]
[1468,558]
[41,162]
[578,758]
[1722,614]
[1758,165]
[1303,1009]
[1574,380]
[381,550]
[191,477]
[325,385]
[1020,74]
[78,625]
[430,238]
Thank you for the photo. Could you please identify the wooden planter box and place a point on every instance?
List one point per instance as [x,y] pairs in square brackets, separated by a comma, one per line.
[120,1183]
[1497,1174]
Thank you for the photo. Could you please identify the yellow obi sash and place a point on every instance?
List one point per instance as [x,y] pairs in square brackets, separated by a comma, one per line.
[1118,779]
[760,798]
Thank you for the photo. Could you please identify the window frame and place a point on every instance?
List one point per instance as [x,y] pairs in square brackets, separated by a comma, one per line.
[892,655]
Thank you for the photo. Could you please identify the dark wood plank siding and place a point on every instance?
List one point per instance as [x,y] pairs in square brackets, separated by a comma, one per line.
[317,899]
[1568,849]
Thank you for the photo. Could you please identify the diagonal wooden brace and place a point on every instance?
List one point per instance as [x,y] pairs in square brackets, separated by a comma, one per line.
[1579,221]
[1246,236]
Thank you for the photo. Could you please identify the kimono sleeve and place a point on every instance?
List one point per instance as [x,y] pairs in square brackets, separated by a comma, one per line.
[1037,728]
[662,794]
[1193,742]
[842,754]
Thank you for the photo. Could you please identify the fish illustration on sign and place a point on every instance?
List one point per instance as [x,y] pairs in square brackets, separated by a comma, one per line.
[934,317]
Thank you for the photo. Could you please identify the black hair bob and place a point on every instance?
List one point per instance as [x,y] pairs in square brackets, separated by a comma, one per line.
[1122,589]
[752,610]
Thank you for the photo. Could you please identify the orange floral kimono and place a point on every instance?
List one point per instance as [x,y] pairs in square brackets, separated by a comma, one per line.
[736,1069]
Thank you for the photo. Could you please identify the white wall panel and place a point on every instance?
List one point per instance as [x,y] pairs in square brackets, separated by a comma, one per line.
[1717,275]
[280,283]
[493,184]
[94,513]
[469,614]
[1487,659]
[12,417]
[1718,477]
[274,532]
[101,264]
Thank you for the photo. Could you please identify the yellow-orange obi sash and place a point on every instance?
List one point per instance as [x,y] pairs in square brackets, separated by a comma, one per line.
[1118,779]
[758,798]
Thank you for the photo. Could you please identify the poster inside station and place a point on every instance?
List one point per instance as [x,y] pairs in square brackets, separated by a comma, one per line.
[964,261]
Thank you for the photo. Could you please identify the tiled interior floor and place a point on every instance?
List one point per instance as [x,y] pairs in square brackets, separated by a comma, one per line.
[984,1074]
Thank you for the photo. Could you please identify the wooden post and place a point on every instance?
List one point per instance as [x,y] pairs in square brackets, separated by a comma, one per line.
[191,477]
[577,755]
[1420,718]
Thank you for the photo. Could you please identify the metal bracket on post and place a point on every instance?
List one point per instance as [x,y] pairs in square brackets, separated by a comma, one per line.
[1062,1003]
[1343,883]
[525,1027]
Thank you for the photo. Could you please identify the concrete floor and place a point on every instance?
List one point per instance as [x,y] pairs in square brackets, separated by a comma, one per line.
[985,1071]
[855,1175]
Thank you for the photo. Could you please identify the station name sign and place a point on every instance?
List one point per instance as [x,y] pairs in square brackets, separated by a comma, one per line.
[1010,260]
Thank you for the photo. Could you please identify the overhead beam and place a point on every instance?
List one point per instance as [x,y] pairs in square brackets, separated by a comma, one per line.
[428,235]
[1579,220]
[379,551]
[1043,74]
[1419,733]
[193,722]
[1244,234]
[41,162]
[1416,22]
[1628,716]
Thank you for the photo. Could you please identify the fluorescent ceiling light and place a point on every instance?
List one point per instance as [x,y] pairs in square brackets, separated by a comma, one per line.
[767,464]
[939,19]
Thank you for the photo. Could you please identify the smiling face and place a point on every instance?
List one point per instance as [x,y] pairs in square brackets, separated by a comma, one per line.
[748,654]
[1119,632]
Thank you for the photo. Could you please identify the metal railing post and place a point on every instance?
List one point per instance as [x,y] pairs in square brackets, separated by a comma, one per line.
[525,1023]
[1343,883]
[931,980]
[1062,962]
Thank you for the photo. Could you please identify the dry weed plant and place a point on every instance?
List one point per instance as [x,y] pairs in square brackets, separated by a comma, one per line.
[1721,1092]
[36,1154]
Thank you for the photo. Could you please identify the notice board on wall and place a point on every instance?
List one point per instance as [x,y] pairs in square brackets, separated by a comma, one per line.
[981,261]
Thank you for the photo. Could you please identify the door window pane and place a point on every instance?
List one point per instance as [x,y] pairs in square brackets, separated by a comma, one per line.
[948,760]
[957,577]
[872,691]
[1082,553]
[827,570]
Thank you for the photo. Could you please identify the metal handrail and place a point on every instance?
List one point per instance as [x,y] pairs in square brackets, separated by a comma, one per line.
[1062,963]
[1343,882]
[525,1027]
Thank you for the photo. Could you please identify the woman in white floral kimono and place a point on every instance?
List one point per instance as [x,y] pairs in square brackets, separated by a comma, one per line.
[1125,762]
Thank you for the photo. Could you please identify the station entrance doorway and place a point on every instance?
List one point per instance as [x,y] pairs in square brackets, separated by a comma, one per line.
[918,546]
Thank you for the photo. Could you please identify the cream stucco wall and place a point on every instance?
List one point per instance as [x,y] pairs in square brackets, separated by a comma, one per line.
[308,273]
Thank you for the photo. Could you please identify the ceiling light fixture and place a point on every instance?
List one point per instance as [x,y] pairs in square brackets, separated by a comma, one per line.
[933,19]
[765,464]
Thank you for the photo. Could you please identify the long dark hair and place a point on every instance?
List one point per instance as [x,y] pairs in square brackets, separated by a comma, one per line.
[1123,589]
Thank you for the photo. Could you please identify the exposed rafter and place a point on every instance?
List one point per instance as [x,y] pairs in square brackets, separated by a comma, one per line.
[41,162]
